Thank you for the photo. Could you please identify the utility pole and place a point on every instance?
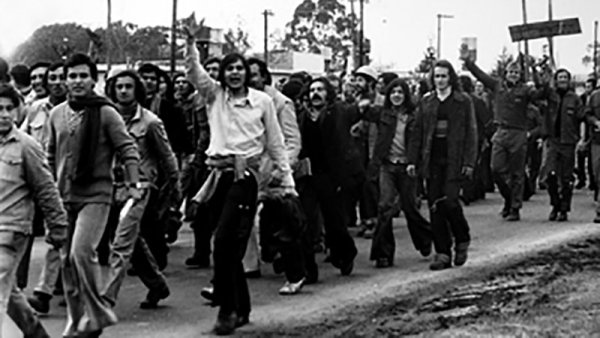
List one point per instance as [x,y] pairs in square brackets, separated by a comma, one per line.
[361,36]
[174,38]
[595,45]
[439,32]
[550,38]
[525,42]
[266,14]
[108,36]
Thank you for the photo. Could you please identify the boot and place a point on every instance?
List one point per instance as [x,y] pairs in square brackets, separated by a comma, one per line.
[562,216]
[461,253]
[553,214]
[40,302]
[440,262]
[513,216]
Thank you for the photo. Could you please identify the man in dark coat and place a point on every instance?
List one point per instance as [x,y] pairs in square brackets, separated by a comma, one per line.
[443,147]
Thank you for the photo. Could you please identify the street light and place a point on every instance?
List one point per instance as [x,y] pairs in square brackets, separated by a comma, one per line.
[266,13]
[439,34]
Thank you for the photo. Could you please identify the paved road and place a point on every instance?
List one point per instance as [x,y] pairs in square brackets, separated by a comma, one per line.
[185,314]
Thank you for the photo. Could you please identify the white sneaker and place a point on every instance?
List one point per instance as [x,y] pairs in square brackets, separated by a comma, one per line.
[291,288]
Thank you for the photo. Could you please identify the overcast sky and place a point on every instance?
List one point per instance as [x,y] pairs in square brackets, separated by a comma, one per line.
[400,30]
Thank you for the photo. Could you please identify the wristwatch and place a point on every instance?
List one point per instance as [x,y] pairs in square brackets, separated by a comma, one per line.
[136,185]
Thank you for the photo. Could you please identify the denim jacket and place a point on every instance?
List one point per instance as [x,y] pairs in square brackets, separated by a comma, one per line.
[25,179]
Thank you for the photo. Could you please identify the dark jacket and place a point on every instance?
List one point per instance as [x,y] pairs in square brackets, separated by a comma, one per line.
[592,111]
[509,102]
[344,166]
[175,125]
[461,139]
[388,121]
[571,115]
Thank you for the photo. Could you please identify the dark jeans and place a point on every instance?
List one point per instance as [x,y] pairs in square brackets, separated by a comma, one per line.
[560,161]
[533,165]
[509,153]
[320,194]
[369,198]
[232,209]
[203,231]
[584,161]
[447,219]
[282,229]
[394,182]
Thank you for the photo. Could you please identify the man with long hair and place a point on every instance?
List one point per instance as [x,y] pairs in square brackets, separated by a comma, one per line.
[243,126]
[443,148]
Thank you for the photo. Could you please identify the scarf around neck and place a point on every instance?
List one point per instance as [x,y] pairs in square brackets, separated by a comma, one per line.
[90,132]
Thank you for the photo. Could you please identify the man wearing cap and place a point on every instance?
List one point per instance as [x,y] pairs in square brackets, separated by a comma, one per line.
[509,143]
[368,193]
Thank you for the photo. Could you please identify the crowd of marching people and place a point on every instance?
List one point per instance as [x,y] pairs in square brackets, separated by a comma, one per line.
[263,172]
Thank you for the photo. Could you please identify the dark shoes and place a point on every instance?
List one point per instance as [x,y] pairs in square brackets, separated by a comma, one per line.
[153,297]
[345,267]
[461,253]
[553,215]
[383,263]
[40,302]
[562,216]
[253,274]
[226,324]
[440,262]
[505,212]
[513,216]
[196,262]
[597,219]
[38,332]
[425,250]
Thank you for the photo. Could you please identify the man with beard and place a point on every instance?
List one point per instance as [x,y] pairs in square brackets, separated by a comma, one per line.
[25,181]
[334,169]
[85,133]
[367,194]
[35,125]
[243,127]
[156,159]
[561,126]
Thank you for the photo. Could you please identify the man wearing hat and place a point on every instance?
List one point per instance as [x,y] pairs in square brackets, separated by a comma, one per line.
[509,143]
[366,80]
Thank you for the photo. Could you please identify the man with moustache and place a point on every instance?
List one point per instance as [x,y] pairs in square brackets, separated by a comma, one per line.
[156,159]
[334,169]
[84,135]
[25,181]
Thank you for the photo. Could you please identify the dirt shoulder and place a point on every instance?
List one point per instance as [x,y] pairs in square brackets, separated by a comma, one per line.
[554,292]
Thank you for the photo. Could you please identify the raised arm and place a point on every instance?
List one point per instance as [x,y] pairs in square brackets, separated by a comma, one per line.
[195,72]
[488,81]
